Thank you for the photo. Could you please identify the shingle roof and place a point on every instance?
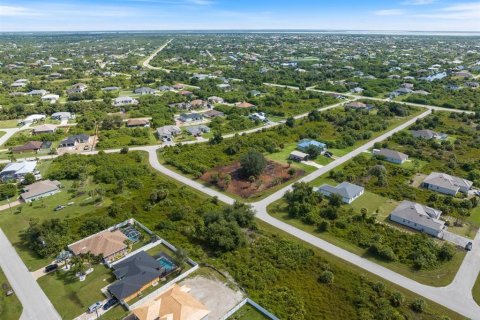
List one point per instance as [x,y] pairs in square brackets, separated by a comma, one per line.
[104,243]
[134,273]
[39,188]
[447,181]
[345,189]
[392,154]
[419,214]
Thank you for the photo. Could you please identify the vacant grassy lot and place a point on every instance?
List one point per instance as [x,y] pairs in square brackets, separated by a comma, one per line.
[72,297]
[247,312]
[10,307]
[8,123]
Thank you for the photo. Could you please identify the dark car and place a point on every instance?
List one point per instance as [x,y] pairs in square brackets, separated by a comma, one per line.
[110,303]
[468,247]
[51,267]
[59,207]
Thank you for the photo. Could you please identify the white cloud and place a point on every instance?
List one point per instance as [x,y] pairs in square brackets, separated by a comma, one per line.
[460,11]
[14,11]
[389,12]
[200,2]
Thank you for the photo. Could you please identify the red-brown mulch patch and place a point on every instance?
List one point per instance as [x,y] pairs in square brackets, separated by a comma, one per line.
[273,175]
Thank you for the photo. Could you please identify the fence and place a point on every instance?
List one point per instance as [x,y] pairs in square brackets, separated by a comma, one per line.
[253,304]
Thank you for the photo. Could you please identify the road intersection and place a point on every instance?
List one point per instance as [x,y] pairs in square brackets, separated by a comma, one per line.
[456,296]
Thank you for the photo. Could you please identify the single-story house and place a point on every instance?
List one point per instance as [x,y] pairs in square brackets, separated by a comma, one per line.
[358,106]
[165,88]
[418,217]
[32,118]
[348,191]
[166,133]
[199,103]
[174,303]
[298,156]
[134,274]
[190,117]
[40,189]
[144,90]
[52,98]
[213,114]
[17,170]
[32,146]
[131,123]
[215,99]
[72,141]
[390,155]
[197,131]
[77,88]
[446,184]
[305,144]
[63,116]
[45,128]
[260,116]
[428,134]
[108,244]
[124,101]
[40,92]
[107,89]
[244,105]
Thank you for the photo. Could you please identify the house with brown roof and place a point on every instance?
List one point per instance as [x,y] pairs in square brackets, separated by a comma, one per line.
[244,105]
[132,123]
[45,128]
[33,146]
[105,243]
[174,304]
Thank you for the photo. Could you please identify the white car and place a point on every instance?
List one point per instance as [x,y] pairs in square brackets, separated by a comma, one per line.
[95,306]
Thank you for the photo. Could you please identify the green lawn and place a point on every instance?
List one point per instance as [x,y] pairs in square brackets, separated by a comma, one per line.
[437,277]
[247,312]
[476,290]
[8,123]
[375,204]
[283,155]
[72,297]
[10,307]
[14,222]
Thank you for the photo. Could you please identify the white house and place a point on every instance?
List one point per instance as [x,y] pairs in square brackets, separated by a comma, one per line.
[32,118]
[17,170]
[123,101]
[348,191]
[51,97]
[446,184]
[418,217]
[40,189]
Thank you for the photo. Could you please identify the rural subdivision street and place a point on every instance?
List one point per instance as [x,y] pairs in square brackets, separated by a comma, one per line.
[146,63]
[456,296]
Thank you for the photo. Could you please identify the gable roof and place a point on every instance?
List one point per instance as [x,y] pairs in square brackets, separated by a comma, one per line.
[425,134]
[30,145]
[174,304]
[45,128]
[103,243]
[345,189]
[20,167]
[392,154]
[39,188]
[134,273]
[419,214]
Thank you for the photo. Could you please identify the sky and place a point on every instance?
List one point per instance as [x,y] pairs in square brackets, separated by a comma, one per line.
[95,15]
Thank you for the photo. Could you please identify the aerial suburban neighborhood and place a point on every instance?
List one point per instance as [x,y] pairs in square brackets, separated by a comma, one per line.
[237,174]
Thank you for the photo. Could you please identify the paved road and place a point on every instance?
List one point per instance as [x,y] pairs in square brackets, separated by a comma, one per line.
[146,63]
[36,305]
[9,133]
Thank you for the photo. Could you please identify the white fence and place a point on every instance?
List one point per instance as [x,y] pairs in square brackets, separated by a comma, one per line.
[253,304]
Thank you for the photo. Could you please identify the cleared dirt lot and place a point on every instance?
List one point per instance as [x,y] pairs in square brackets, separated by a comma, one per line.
[214,294]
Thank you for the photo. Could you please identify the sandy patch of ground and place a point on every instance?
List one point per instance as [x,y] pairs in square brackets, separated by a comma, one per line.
[418,179]
[214,294]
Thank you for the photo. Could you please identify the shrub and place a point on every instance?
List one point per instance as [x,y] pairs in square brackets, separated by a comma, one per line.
[326,277]
[419,305]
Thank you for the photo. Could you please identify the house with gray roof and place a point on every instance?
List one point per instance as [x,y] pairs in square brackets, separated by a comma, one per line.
[418,217]
[144,90]
[72,141]
[428,134]
[166,133]
[348,191]
[40,189]
[190,117]
[134,274]
[197,131]
[63,116]
[390,155]
[446,184]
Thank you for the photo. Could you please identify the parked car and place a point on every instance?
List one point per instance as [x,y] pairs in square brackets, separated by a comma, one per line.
[97,305]
[59,207]
[9,293]
[110,303]
[469,246]
[51,267]
[86,148]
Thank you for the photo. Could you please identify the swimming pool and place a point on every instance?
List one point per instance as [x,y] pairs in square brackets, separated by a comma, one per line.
[166,264]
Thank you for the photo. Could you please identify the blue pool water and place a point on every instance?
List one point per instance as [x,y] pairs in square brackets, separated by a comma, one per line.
[167,264]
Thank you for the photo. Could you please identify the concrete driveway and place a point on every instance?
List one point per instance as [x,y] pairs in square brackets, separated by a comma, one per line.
[455,239]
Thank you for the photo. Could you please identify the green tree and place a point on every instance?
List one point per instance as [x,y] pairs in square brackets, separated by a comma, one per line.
[253,163]
[29,178]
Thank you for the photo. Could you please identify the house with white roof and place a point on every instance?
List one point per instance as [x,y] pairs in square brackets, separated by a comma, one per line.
[51,97]
[32,119]
[17,170]
[348,191]
[123,101]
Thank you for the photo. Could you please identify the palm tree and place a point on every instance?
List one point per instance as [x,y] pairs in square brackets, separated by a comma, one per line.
[179,258]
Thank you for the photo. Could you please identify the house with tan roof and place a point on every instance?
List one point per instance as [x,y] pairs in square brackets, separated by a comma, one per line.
[174,304]
[244,105]
[45,128]
[105,243]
